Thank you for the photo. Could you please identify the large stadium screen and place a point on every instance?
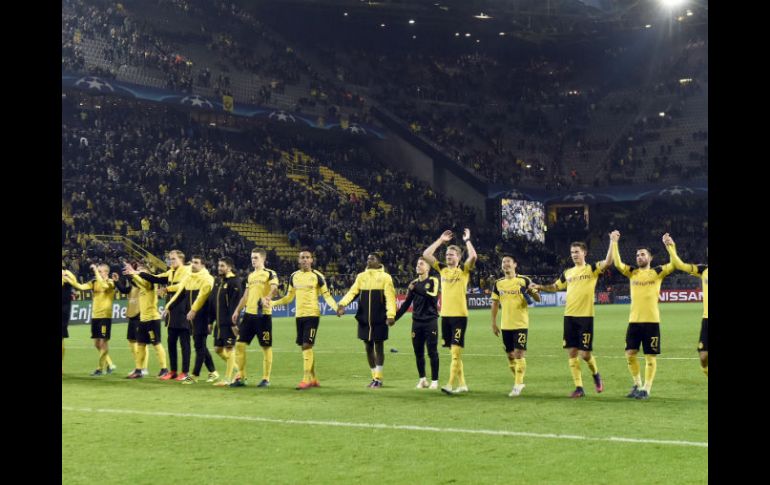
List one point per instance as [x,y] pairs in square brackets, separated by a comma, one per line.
[523,218]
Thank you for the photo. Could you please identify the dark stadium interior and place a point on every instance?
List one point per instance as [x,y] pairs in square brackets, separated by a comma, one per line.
[555,98]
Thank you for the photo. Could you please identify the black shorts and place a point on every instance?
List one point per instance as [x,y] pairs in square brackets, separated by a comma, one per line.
[307,330]
[453,330]
[373,333]
[646,334]
[224,335]
[133,324]
[703,341]
[515,339]
[425,333]
[101,328]
[259,325]
[578,333]
[148,332]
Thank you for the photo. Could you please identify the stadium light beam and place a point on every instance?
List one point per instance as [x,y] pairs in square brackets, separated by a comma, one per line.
[672,3]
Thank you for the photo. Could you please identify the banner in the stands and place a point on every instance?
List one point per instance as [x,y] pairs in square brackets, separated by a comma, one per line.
[100,85]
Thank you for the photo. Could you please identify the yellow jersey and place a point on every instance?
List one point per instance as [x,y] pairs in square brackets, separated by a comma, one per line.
[104,295]
[306,286]
[148,300]
[454,287]
[259,285]
[645,288]
[580,282]
[510,293]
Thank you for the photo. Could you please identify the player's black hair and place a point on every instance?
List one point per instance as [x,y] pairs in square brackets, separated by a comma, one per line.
[228,261]
[646,248]
[509,255]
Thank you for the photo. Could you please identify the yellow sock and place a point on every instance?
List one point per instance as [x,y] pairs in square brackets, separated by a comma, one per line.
[222,353]
[649,371]
[704,369]
[461,371]
[267,362]
[146,360]
[160,352]
[634,369]
[230,368]
[512,366]
[132,347]
[454,367]
[139,354]
[240,358]
[307,365]
[102,360]
[374,373]
[577,376]
[521,369]
[312,367]
[107,359]
[592,365]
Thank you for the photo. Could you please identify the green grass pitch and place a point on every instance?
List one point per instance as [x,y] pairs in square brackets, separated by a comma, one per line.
[120,431]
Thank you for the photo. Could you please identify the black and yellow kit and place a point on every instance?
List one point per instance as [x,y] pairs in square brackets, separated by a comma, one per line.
[644,319]
[101,314]
[454,303]
[258,319]
[193,294]
[130,289]
[148,331]
[376,303]
[509,292]
[580,282]
[307,286]
[173,277]
[424,298]
[223,300]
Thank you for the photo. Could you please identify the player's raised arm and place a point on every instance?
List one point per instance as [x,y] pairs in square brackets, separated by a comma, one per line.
[446,236]
[472,256]
[70,277]
[619,264]
[608,259]
[693,269]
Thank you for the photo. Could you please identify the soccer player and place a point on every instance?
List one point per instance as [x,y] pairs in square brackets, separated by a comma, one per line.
[148,330]
[192,295]
[454,304]
[223,300]
[580,282]
[101,314]
[306,285]
[66,307]
[701,270]
[644,319]
[376,312]
[511,292]
[130,289]
[178,327]
[423,294]
[261,287]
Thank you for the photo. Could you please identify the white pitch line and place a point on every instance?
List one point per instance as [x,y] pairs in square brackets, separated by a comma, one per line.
[343,424]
